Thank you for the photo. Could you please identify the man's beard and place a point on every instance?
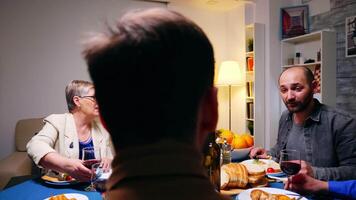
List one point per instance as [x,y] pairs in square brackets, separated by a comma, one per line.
[299,106]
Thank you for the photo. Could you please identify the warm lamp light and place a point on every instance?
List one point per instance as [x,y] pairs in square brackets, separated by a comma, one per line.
[229,74]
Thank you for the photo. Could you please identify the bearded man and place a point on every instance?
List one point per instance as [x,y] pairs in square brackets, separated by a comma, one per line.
[325,137]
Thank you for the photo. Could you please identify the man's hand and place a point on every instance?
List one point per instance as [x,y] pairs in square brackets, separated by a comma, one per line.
[305,168]
[303,184]
[258,152]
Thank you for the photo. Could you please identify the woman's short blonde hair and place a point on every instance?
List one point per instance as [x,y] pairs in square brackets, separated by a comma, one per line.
[76,88]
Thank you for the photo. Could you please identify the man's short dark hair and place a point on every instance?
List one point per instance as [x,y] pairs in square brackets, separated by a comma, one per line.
[307,73]
[150,74]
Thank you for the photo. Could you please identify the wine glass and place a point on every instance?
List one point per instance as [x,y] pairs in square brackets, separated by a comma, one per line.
[95,181]
[90,156]
[290,162]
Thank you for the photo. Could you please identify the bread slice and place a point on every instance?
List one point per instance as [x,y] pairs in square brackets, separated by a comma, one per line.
[233,175]
[254,169]
[260,182]
[255,178]
[256,165]
[49,178]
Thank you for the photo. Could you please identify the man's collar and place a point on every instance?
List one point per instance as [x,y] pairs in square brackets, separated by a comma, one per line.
[315,114]
[164,158]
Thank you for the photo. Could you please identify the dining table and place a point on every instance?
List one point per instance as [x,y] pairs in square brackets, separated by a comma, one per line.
[36,188]
[277,184]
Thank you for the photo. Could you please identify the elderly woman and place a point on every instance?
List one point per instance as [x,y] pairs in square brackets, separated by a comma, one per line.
[58,146]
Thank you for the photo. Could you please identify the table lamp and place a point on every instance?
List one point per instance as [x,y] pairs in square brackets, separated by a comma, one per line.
[229,75]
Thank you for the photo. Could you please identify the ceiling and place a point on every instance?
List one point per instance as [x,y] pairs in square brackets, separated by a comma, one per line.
[209,4]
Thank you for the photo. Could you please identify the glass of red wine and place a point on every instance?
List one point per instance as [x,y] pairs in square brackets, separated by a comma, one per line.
[290,161]
[92,160]
[91,156]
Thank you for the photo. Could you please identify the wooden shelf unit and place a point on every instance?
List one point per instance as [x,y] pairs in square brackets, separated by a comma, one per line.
[324,69]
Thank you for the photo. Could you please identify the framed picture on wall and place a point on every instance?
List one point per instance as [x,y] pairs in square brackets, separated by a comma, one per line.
[294,21]
[350,30]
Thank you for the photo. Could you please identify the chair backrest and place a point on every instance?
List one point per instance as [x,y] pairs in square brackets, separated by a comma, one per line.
[25,130]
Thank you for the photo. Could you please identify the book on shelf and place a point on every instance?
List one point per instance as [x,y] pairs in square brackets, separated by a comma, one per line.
[249,109]
[250,89]
[249,64]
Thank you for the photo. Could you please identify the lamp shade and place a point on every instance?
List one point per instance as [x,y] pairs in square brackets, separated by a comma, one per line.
[229,73]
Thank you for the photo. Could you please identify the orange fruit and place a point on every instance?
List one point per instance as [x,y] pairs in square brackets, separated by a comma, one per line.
[249,139]
[227,135]
[239,142]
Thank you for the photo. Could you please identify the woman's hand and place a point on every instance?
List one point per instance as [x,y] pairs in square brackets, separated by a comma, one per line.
[77,170]
[73,167]
[106,163]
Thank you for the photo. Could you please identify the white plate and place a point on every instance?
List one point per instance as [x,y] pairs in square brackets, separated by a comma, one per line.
[277,174]
[71,182]
[52,179]
[245,195]
[59,182]
[279,178]
[267,163]
[77,196]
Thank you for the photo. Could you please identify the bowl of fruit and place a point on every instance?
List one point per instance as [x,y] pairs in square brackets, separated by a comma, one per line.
[241,144]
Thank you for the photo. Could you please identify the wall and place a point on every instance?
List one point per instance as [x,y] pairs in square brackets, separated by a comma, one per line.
[225,29]
[268,13]
[40,53]
[334,19]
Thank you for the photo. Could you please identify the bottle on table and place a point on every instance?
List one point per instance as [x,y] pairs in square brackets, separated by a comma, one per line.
[225,153]
[212,160]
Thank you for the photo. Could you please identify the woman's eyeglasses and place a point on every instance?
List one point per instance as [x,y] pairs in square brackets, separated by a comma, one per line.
[92,98]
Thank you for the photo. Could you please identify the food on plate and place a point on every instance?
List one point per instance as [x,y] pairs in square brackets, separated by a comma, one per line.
[233,175]
[270,166]
[275,166]
[243,175]
[68,178]
[258,162]
[270,170]
[256,175]
[60,197]
[53,176]
[262,195]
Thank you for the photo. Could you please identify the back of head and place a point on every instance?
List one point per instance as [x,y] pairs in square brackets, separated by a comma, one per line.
[150,74]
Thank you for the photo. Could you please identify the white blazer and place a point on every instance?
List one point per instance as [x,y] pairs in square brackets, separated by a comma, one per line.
[59,134]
